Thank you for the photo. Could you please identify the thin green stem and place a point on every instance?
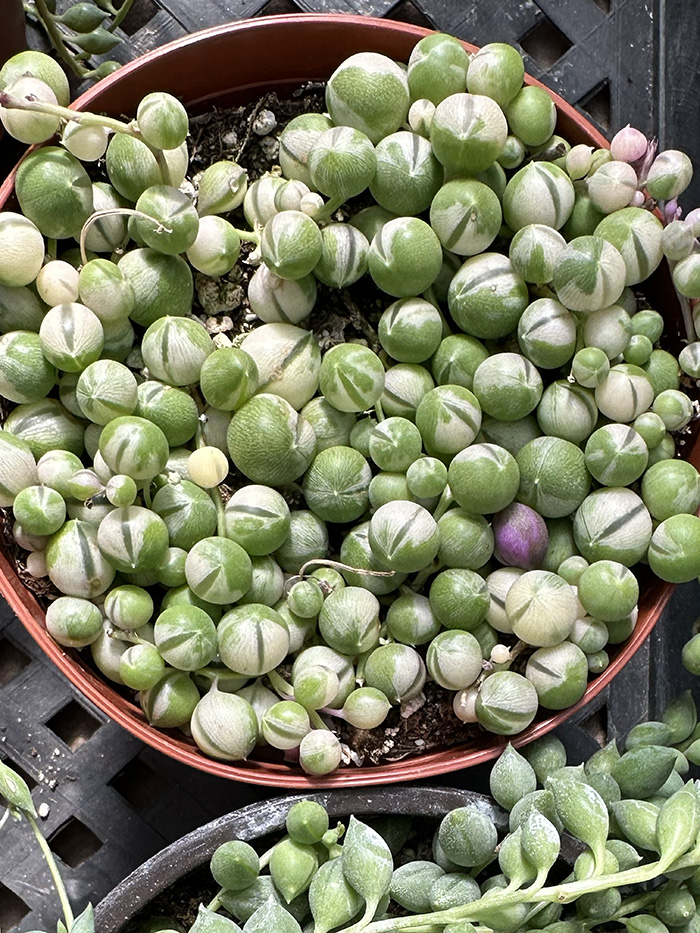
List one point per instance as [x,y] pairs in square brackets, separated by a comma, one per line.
[266,856]
[65,113]
[445,502]
[329,207]
[379,410]
[121,15]
[57,40]
[162,165]
[215,902]
[280,685]
[55,874]
[423,575]
[5,818]
[111,212]
[558,894]
[128,635]
[215,496]
[248,235]
[146,491]
[634,904]
[316,720]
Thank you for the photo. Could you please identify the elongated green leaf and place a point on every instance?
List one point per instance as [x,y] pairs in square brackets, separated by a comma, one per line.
[681,715]
[271,916]
[332,900]
[603,761]
[583,812]
[367,862]
[649,733]
[678,824]
[644,923]
[642,771]
[540,841]
[292,867]
[84,922]
[512,860]
[15,791]
[637,819]
[208,921]
[512,777]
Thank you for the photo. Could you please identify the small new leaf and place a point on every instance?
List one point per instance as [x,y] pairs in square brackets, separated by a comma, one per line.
[208,921]
[85,922]
[271,916]
[540,841]
[15,791]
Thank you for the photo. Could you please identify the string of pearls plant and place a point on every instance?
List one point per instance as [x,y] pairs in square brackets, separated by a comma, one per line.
[484,478]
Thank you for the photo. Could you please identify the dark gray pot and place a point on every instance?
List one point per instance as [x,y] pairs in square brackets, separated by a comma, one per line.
[260,819]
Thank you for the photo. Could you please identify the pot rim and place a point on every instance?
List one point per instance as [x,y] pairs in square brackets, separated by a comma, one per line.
[263,773]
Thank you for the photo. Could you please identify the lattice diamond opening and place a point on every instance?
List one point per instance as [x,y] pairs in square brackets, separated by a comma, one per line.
[139,784]
[74,725]
[545,43]
[74,843]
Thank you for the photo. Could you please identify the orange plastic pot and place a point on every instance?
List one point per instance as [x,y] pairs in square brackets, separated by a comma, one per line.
[233,64]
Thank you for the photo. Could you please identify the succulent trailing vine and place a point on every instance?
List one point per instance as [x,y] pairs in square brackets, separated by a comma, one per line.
[82,30]
[628,816]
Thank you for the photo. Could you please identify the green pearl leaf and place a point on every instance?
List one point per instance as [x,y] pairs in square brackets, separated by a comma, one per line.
[642,771]
[208,921]
[15,791]
[512,777]
[332,900]
[367,864]
[678,824]
[271,916]
[644,923]
[540,841]
[546,755]
[626,855]
[637,820]
[603,761]
[681,716]
[583,812]
[649,733]
[566,926]
[513,862]
[292,866]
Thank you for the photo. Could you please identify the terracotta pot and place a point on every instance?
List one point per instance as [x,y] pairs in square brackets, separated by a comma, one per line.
[252,823]
[233,64]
